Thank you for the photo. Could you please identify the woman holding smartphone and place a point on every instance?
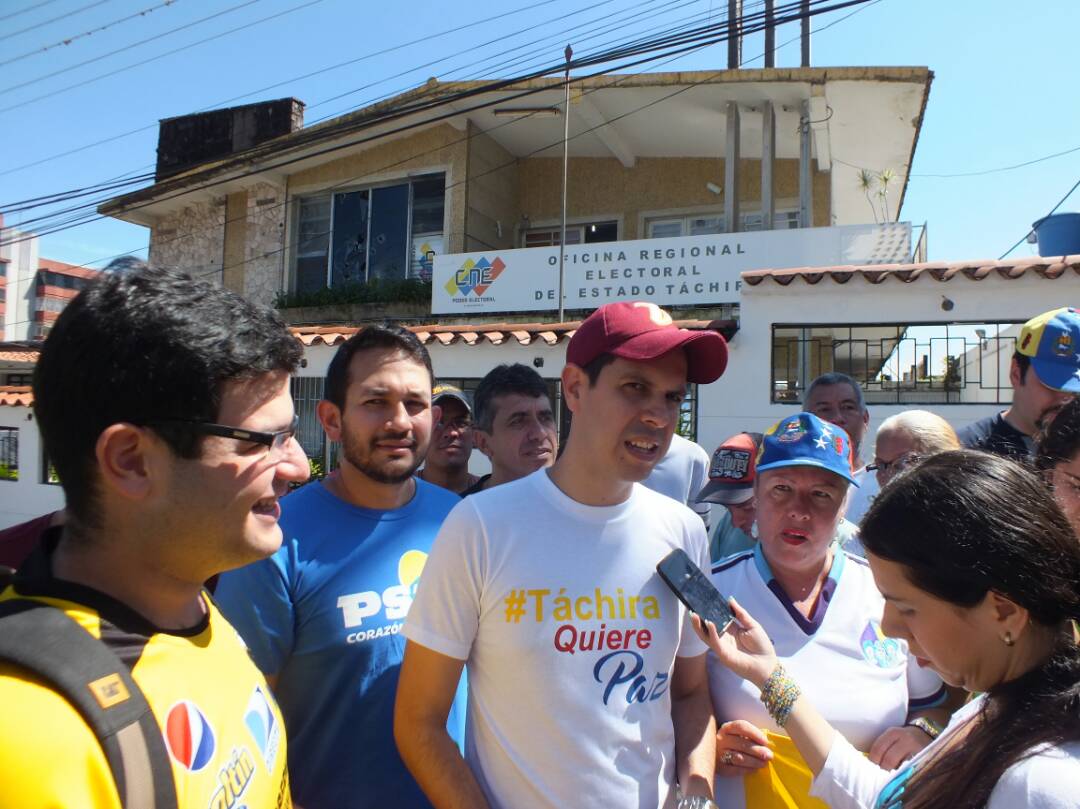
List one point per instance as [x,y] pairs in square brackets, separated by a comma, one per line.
[819,605]
[980,572]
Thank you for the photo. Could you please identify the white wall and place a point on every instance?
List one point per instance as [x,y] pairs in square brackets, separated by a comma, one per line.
[740,400]
[462,360]
[21,273]
[26,498]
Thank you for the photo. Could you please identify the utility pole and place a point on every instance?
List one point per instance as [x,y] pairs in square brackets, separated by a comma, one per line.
[804,26]
[569,52]
[770,34]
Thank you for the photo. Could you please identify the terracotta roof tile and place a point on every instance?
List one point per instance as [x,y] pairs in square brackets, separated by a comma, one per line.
[1045,267]
[18,355]
[476,334]
[16,396]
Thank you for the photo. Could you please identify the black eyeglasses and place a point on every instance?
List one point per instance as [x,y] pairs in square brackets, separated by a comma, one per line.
[897,464]
[276,442]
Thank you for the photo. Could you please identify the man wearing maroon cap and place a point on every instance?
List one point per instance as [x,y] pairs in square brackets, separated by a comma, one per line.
[587,685]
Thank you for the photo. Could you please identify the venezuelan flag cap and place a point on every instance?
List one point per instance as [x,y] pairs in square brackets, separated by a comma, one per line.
[806,440]
[1052,340]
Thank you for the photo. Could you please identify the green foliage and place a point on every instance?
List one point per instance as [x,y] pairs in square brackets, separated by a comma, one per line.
[8,472]
[409,290]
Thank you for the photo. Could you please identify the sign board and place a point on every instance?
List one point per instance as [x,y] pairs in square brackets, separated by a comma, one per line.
[687,270]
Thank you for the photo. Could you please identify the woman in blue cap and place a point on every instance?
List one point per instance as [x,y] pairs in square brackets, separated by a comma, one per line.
[980,571]
[822,611]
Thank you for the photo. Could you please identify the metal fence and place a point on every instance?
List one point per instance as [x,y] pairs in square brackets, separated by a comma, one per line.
[307,391]
[900,363]
[9,453]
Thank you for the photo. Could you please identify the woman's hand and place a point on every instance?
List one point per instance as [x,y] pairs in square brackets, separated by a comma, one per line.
[741,747]
[896,745]
[744,648]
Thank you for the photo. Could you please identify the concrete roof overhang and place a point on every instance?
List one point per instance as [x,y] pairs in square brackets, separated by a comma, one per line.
[862,117]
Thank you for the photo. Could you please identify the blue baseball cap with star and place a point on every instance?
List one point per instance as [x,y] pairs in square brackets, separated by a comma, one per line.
[806,440]
[1052,341]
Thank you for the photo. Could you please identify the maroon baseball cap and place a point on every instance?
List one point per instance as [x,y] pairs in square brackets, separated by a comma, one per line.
[639,330]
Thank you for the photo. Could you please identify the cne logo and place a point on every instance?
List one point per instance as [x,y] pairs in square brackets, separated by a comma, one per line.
[263,726]
[475,277]
[188,736]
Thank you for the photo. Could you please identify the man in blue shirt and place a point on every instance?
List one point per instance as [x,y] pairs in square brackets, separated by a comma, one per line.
[323,615]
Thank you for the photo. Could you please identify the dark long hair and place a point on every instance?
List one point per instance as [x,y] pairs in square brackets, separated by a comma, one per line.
[1059,441]
[963,524]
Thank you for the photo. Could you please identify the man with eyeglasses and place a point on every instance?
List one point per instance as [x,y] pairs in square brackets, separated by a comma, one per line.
[163,403]
[447,462]
[323,615]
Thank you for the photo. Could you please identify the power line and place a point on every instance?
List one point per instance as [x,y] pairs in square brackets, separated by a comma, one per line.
[1052,210]
[9,209]
[50,199]
[181,49]
[34,7]
[573,33]
[780,19]
[92,205]
[422,106]
[92,31]
[1013,167]
[403,112]
[616,80]
[273,86]
[85,62]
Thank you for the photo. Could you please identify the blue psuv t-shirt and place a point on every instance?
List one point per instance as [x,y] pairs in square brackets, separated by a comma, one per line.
[324,615]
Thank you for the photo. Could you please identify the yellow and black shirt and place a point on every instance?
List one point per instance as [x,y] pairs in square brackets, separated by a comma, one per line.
[222,728]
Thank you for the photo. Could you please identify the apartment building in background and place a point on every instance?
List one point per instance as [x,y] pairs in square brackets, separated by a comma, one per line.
[33,290]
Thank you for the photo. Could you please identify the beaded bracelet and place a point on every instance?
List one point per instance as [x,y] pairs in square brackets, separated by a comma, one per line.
[779,693]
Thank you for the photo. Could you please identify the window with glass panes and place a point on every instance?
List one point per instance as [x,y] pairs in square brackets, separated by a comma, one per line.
[381,233]
[667,227]
[587,233]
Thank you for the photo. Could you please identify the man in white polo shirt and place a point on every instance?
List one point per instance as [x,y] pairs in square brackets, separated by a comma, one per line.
[587,683]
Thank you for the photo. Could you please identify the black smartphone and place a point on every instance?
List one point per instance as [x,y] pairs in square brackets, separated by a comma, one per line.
[694,589]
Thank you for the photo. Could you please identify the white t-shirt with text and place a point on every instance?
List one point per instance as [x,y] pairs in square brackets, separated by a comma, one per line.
[569,637]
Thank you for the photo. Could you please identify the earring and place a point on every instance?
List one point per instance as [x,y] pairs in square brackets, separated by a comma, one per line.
[1008,639]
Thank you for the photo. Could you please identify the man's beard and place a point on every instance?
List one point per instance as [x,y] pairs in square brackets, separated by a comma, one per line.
[360,457]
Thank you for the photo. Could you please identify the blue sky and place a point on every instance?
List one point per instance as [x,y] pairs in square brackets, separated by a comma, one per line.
[1004,89]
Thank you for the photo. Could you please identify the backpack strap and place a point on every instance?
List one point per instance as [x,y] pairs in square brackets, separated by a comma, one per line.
[46,642]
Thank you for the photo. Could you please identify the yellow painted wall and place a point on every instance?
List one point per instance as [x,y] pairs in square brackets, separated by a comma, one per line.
[492,196]
[603,186]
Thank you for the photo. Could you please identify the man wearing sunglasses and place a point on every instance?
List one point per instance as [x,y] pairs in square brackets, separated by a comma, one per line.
[163,403]
[323,616]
